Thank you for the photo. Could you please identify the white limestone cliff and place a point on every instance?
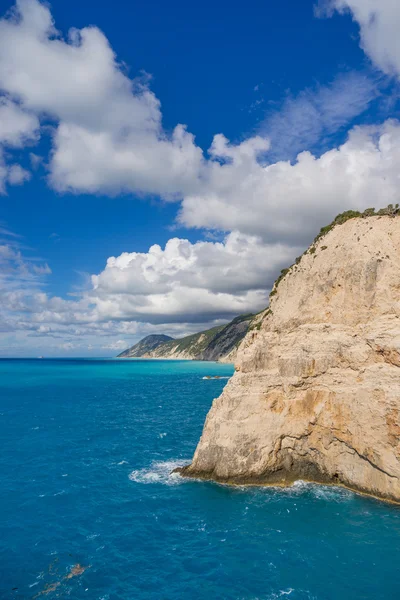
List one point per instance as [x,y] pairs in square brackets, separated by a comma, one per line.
[316,393]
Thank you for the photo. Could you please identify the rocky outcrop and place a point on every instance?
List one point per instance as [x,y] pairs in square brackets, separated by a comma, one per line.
[146,345]
[219,343]
[316,393]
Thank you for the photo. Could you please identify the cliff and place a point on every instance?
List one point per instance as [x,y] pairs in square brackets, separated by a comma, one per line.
[316,393]
[146,345]
[218,343]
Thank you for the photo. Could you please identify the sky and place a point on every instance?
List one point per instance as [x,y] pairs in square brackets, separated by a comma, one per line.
[160,163]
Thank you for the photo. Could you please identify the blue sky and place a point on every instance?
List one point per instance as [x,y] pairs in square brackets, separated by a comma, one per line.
[290,113]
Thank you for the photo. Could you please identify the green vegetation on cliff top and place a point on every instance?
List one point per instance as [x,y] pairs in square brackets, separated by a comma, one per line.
[391,211]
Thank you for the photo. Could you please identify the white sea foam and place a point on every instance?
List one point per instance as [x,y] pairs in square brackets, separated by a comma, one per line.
[275,595]
[123,462]
[330,493]
[159,472]
[215,377]
[319,491]
[162,472]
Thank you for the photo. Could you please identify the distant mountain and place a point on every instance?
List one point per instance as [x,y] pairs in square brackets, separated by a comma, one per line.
[146,345]
[192,346]
[219,343]
[224,344]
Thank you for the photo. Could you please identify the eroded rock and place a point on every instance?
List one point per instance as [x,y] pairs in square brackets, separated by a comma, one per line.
[316,393]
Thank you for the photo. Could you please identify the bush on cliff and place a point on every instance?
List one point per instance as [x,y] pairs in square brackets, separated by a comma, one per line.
[390,210]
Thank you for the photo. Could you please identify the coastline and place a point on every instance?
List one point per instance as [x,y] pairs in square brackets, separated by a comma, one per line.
[151,358]
[248,483]
[215,362]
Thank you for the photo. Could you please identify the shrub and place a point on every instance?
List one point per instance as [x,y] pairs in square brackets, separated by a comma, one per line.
[369,212]
[391,210]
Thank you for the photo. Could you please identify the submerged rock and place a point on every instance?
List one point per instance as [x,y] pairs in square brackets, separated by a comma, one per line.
[316,393]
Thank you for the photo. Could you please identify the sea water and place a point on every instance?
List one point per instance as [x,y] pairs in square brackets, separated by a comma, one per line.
[89,508]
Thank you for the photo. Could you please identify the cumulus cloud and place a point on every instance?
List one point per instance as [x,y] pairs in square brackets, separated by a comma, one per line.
[108,136]
[181,283]
[17,126]
[177,289]
[379,22]
[289,202]
[190,282]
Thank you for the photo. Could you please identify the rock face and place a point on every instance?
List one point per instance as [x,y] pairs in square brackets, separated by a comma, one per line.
[316,393]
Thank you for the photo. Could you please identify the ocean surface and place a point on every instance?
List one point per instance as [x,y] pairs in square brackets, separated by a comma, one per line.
[89,508]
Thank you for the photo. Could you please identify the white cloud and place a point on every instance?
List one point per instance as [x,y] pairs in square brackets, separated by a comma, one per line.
[109,135]
[189,282]
[379,22]
[116,346]
[35,160]
[289,202]
[303,121]
[18,128]
[113,162]
[17,175]
[109,138]
[18,271]
[178,290]
[182,283]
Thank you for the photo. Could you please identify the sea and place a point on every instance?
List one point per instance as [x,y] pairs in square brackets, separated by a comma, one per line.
[90,508]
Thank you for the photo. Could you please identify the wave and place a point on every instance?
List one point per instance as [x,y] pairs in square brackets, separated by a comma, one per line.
[332,493]
[162,472]
[216,377]
[159,472]
[323,492]
[275,595]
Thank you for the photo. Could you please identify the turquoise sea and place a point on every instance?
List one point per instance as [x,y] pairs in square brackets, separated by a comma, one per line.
[89,508]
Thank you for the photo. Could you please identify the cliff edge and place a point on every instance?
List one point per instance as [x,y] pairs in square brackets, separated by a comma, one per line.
[316,393]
